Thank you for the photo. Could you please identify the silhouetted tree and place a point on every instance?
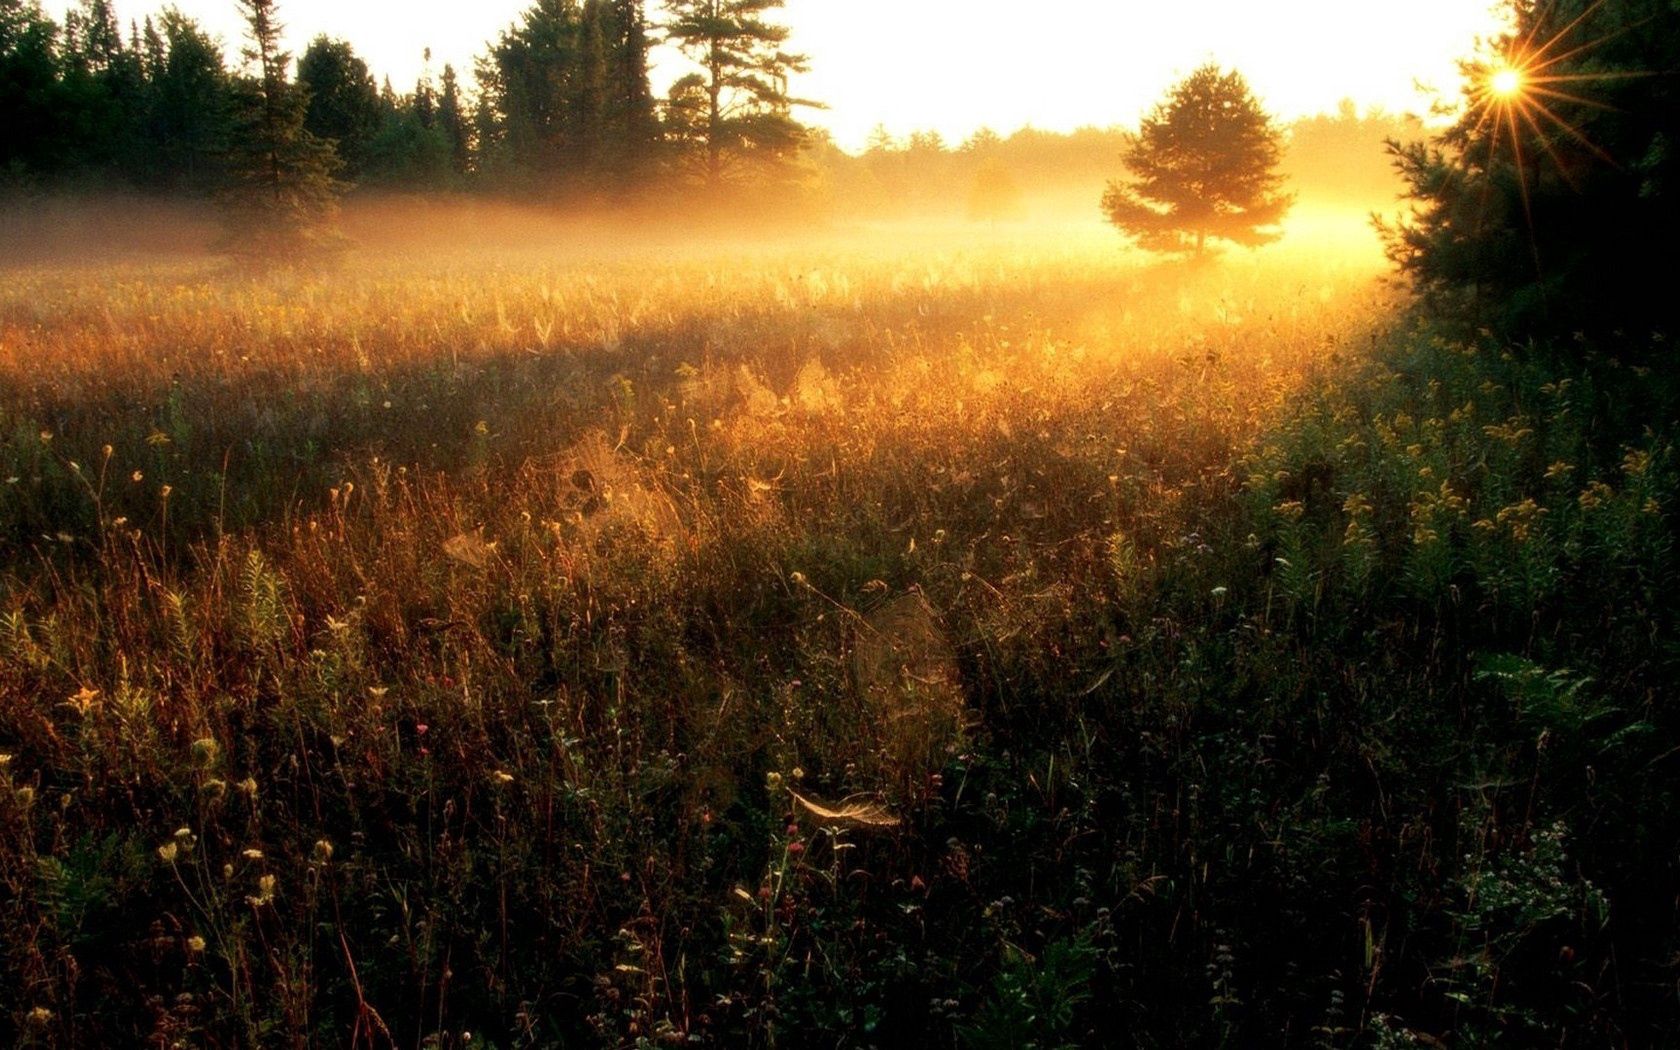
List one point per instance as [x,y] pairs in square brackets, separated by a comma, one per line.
[530,80]
[187,127]
[30,92]
[283,197]
[748,116]
[1549,209]
[1203,166]
[452,123]
[344,105]
[631,126]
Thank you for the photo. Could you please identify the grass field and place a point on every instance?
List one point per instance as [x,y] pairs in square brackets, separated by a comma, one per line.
[906,637]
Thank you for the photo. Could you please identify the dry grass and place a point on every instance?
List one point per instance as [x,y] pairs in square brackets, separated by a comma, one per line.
[461,604]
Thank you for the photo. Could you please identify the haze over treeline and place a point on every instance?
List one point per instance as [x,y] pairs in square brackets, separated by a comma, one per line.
[559,107]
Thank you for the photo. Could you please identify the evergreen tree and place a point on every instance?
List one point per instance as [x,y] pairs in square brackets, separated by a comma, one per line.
[452,123]
[425,96]
[30,92]
[283,197]
[1544,207]
[530,78]
[1204,165]
[102,94]
[631,127]
[748,118]
[344,105]
[187,122]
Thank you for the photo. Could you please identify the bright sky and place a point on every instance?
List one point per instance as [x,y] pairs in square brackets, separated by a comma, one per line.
[955,65]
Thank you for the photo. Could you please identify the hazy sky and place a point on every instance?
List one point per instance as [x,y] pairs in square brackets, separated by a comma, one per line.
[954,65]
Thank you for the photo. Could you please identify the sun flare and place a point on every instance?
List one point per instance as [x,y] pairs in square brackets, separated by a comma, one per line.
[1506,82]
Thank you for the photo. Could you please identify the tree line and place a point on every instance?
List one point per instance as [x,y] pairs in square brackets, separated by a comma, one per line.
[563,103]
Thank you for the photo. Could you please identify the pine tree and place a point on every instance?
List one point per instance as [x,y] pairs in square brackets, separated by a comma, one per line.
[1541,210]
[631,127]
[283,197]
[344,105]
[188,120]
[30,91]
[1204,165]
[748,118]
[452,122]
[530,82]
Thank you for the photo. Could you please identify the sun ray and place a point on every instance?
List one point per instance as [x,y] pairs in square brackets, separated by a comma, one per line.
[1564,96]
[1574,133]
[1546,144]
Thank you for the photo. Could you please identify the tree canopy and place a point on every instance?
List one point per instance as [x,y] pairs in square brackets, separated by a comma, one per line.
[1543,207]
[736,114]
[1203,165]
[283,196]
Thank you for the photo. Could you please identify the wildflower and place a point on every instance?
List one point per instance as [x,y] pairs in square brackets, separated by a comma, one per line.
[195,944]
[1560,469]
[205,752]
[1291,510]
[168,852]
[502,777]
[1356,505]
[1595,495]
[264,894]
[1636,463]
[323,851]
[252,854]
[81,701]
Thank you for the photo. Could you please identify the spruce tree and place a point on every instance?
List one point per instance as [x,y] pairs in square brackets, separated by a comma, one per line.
[343,104]
[1548,206]
[631,127]
[188,123]
[748,118]
[1204,165]
[30,92]
[283,197]
[452,122]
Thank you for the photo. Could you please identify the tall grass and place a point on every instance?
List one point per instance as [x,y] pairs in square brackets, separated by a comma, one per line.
[837,645]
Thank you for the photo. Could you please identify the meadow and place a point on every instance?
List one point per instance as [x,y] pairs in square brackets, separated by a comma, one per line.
[904,636]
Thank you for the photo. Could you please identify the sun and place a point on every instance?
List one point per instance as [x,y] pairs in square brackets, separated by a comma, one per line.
[1506,82]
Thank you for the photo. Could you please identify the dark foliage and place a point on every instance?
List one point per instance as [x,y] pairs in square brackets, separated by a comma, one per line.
[1556,209]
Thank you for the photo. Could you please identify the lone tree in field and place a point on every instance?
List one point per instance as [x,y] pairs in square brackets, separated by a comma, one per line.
[737,112]
[282,197]
[1204,165]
